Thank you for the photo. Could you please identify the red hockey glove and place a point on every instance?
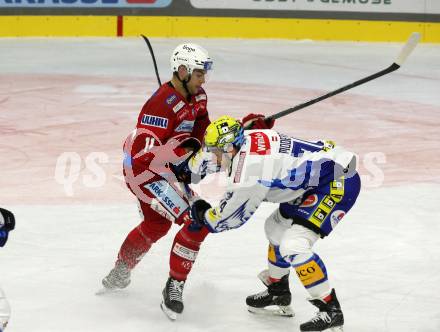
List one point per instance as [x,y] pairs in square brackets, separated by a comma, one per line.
[257,121]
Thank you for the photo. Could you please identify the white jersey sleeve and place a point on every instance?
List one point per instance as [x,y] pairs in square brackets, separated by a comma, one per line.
[203,163]
[245,190]
[275,168]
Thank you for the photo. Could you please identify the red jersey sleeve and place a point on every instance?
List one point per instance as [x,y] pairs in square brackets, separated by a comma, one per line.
[202,118]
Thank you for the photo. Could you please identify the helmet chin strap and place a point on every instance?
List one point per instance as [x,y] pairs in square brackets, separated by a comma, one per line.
[184,82]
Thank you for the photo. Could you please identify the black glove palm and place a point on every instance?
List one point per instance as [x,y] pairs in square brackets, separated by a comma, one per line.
[198,210]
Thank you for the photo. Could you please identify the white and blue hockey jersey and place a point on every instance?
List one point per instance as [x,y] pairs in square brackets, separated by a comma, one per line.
[275,168]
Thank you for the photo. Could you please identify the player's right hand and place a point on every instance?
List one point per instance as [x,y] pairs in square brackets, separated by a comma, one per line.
[257,121]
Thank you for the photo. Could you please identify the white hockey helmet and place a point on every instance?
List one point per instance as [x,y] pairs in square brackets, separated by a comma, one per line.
[192,56]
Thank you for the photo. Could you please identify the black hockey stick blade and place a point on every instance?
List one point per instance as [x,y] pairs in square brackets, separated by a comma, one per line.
[404,53]
[154,59]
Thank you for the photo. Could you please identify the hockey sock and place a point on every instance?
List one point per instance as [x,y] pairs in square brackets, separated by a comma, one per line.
[140,240]
[278,267]
[313,275]
[184,251]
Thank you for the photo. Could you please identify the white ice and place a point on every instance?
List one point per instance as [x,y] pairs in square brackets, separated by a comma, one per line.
[383,258]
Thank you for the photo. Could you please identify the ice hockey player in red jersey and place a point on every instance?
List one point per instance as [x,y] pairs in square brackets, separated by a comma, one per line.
[170,127]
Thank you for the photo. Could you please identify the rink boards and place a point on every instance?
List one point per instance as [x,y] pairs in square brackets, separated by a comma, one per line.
[216,27]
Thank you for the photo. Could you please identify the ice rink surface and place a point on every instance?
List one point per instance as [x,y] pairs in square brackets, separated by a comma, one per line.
[66,106]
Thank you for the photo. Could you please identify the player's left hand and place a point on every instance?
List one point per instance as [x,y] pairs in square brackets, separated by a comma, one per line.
[257,121]
[198,210]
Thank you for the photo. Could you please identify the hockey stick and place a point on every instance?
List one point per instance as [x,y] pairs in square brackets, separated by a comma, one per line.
[154,58]
[404,53]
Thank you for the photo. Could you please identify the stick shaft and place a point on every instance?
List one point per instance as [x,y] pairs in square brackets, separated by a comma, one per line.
[404,53]
[154,59]
[388,70]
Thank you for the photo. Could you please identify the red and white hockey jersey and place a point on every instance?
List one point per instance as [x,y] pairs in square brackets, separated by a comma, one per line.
[166,116]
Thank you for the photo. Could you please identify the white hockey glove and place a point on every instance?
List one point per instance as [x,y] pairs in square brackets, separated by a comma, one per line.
[195,168]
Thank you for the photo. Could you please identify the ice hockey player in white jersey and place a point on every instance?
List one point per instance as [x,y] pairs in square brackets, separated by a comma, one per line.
[7,224]
[315,185]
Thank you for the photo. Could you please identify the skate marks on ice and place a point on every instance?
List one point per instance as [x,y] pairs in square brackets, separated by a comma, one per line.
[82,121]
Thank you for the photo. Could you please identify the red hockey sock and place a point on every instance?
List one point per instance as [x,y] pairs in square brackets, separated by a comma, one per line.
[273,280]
[184,251]
[140,240]
[328,298]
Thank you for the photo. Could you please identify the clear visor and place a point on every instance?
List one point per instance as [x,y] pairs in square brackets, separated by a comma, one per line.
[215,149]
[207,68]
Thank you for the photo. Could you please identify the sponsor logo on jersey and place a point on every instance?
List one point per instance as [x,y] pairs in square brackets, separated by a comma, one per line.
[185,126]
[168,197]
[310,201]
[318,216]
[171,99]
[239,167]
[285,144]
[329,202]
[200,97]
[336,217]
[186,113]
[178,106]
[260,143]
[154,121]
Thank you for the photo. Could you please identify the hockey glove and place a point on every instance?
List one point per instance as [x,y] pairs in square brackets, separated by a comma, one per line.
[7,224]
[195,168]
[182,172]
[257,121]
[198,210]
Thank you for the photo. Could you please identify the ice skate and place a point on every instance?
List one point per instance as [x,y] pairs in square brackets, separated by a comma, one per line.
[328,318]
[172,304]
[118,278]
[275,300]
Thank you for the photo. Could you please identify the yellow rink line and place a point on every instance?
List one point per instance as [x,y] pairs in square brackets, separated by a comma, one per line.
[217,27]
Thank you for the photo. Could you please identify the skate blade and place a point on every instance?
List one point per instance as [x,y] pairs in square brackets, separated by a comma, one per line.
[332,329]
[104,291]
[283,311]
[168,312]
